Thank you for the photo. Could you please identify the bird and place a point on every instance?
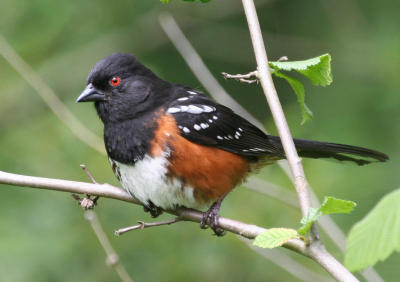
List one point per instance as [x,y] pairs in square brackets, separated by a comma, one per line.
[172,146]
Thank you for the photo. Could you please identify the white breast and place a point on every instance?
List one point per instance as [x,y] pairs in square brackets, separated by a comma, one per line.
[147,181]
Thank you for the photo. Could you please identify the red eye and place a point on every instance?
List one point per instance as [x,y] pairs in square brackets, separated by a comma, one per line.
[115,81]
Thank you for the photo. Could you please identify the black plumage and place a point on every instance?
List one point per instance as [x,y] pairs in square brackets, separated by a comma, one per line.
[128,113]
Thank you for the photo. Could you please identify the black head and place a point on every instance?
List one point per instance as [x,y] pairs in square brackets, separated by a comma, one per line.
[121,88]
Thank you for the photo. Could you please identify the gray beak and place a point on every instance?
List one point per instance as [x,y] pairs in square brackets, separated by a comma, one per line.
[90,94]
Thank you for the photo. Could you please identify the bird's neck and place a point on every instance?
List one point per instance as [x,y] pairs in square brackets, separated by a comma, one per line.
[129,141]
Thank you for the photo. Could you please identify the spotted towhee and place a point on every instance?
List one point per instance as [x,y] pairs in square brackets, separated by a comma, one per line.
[171,145]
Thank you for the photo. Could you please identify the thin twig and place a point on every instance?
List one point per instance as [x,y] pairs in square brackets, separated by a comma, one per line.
[83,166]
[249,78]
[143,225]
[50,98]
[93,201]
[112,257]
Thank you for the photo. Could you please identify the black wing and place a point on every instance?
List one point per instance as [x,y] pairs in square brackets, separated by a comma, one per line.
[203,121]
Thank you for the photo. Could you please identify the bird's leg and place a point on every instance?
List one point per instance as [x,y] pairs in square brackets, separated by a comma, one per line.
[153,209]
[211,217]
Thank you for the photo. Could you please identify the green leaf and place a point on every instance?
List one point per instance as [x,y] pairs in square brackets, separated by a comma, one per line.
[274,237]
[317,69]
[330,205]
[312,215]
[334,205]
[376,236]
[298,88]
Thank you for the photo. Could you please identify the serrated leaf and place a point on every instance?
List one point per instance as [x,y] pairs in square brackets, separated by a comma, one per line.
[274,237]
[298,88]
[329,205]
[312,215]
[376,236]
[334,205]
[317,69]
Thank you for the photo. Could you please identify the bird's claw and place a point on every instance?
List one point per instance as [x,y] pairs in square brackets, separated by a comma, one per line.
[211,218]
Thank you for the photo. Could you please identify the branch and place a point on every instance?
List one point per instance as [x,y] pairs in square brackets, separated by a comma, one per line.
[109,191]
[276,108]
[337,270]
[314,251]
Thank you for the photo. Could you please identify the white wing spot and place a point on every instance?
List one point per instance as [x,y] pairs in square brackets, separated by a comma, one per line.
[197,127]
[210,120]
[215,117]
[219,137]
[240,129]
[192,92]
[183,99]
[173,110]
[186,130]
[204,125]
[208,109]
[257,150]
[194,110]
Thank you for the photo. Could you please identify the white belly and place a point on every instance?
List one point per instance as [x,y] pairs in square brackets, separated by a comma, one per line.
[147,181]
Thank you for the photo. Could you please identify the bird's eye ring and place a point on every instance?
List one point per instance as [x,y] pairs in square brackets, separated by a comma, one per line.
[115,81]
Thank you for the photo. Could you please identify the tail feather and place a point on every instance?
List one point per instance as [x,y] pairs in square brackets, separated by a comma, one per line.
[317,149]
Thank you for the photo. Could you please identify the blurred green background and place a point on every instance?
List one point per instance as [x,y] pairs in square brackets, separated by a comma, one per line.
[43,235]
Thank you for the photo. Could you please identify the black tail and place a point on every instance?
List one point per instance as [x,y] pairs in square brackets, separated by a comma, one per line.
[316,150]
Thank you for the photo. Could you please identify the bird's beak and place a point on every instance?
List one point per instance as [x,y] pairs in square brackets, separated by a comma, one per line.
[90,94]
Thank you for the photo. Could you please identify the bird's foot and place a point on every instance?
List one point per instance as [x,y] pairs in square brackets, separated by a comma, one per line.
[153,210]
[211,218]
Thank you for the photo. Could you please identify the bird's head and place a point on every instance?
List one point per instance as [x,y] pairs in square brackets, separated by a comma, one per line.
[121,87]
